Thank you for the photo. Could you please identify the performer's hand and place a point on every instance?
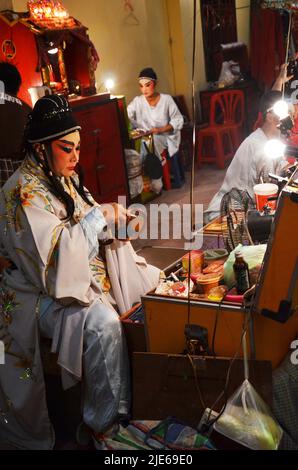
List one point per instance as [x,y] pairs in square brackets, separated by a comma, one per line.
[161,130]
[115,214]
[283,73]
[156,130]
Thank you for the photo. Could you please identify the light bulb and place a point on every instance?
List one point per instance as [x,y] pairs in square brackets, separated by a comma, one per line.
[281,109]
[109,84]
[274,148]
[53,51]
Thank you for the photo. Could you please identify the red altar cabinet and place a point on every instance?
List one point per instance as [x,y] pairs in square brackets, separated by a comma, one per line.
[54,54]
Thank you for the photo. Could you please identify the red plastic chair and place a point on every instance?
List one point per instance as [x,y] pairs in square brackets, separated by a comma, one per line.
[224,131]
[166,173]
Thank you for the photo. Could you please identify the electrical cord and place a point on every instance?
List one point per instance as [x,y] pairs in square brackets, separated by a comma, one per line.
[193,149]
[215,328]
[212,352]
[207,426]
[196,381]
[219,306]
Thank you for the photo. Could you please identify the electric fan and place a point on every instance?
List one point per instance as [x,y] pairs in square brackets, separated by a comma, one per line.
[233,210]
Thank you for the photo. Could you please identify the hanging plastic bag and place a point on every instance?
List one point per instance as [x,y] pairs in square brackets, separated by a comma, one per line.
[247,419]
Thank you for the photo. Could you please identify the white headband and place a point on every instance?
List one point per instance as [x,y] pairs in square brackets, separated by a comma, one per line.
[147,78]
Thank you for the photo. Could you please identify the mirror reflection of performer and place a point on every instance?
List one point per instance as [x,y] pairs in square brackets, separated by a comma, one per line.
[158,113]
[250,162]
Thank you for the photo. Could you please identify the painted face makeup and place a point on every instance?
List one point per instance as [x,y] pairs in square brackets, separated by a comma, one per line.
[66,153]
[147,87]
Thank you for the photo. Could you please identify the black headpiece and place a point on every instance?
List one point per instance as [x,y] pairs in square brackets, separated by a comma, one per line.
[148,73]
[50,119]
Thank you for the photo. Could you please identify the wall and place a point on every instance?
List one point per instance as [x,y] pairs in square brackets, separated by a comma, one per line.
[19,5]
[162,38]
[187,14]
[243,20]
[125,44]
[243,31]
[6,5]
[177,47]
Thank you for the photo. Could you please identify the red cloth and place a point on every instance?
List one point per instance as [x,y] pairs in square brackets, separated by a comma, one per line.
[293,141]
[295,27]
[267,45]
[294,133]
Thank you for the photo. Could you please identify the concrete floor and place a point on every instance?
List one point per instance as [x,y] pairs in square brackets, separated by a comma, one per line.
[208,180]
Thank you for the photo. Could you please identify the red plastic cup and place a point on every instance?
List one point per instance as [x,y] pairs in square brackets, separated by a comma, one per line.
[263,192]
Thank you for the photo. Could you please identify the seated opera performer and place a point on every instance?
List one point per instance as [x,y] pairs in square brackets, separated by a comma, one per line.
[56,285]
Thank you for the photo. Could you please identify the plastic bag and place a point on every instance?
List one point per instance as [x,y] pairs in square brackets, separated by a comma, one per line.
[136,186]
[226,76]
[248,420]
[156,185]
[253,255]
[133,163]
[134,172]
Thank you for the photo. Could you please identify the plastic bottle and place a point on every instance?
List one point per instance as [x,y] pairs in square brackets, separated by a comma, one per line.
[241,272]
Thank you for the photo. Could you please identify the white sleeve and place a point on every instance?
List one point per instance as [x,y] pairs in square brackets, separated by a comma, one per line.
[94,226]
[281,165]
[131,112]
[266,165]
[175,117]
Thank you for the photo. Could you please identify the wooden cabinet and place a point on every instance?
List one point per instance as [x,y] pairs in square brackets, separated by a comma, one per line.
[102,154]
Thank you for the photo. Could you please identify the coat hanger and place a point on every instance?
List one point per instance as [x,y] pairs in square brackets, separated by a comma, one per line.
[131,18]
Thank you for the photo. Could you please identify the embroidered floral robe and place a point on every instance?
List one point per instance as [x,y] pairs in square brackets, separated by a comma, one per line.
[49,257]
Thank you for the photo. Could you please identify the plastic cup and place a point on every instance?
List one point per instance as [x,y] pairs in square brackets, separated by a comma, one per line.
[207,281]
[263,192]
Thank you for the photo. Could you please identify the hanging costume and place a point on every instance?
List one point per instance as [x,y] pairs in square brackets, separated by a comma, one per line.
[266,28]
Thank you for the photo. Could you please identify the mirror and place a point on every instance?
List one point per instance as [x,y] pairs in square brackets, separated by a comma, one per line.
[218,27]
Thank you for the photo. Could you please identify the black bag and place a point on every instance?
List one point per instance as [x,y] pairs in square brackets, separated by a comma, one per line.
[152,165]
